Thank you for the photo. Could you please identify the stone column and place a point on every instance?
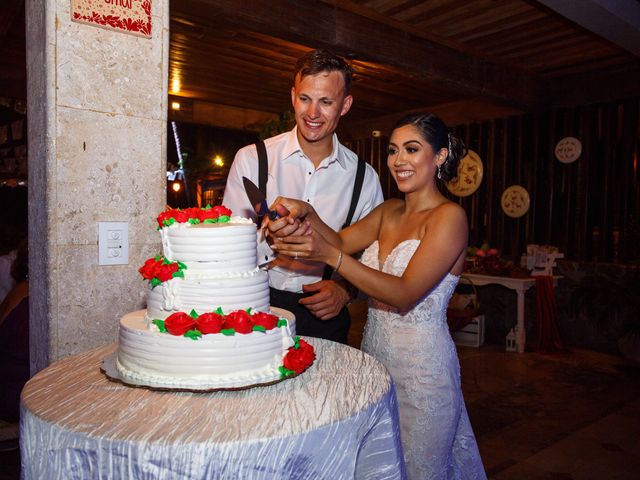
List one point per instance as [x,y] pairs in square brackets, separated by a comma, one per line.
[97,110]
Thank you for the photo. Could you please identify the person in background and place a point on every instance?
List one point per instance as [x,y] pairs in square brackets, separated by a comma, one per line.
[14,338]
[415,253]
[9,240]
[310,163]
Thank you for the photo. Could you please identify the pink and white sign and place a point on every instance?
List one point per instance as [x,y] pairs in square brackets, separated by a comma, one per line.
[130,16]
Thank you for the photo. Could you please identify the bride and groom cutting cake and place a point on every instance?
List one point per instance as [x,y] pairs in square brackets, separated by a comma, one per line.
[414,252]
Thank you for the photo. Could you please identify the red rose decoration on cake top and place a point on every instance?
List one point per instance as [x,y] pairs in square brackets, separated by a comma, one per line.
[179,323]
[298,358]
[180,216]
[210,323]
[195,215]
[215,214]
[239,320]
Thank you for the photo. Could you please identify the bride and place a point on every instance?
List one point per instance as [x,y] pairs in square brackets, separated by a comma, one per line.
[415,251]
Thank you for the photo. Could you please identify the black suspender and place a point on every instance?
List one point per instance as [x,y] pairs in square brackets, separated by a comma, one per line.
[263,167]
[263,170]
[355,196]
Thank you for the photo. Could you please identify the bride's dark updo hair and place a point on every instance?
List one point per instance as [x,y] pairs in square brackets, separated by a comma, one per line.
[437,134]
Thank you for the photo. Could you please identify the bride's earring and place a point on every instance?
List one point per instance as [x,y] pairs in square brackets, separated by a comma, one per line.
[440,172]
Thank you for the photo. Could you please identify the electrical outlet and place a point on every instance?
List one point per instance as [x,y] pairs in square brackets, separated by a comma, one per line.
[113,243]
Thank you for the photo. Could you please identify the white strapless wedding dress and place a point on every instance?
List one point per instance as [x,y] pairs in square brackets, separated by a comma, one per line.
[418,351]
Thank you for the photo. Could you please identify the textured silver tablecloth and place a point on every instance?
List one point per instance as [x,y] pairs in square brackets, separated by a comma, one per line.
[337,420]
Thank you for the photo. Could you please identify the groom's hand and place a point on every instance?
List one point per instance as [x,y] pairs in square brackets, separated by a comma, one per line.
[329,298]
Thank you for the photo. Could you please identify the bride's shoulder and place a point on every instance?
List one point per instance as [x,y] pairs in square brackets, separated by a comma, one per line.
[392,205]
[447,213]
[448,208]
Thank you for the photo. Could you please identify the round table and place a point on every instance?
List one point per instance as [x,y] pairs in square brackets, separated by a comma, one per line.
[339,419]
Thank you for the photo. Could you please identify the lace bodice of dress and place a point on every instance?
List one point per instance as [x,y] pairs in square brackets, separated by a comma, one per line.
[433,306]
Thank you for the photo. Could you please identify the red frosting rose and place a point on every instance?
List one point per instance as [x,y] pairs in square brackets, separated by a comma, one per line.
[299,359]
[179,323]
[240,321]
[180,216]
[166,271]
[208,214]
[166,215]
[193,212]
[265,320]
[221,211]
[150,269]
[210,323]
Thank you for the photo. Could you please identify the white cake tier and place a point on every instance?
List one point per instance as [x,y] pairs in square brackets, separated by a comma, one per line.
[223,247]
[151,358]
[197,292]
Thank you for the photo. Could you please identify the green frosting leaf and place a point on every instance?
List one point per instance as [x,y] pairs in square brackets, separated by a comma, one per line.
[281,323]
[179,274]
[219,311]
[155,282]
[157,258]
[208,207]
[193,313]
[228,331]
[165,261]
[285,372]
[193,334]
[194,221]
[181,265]
[210,220]
[248,310]
[224,218]
[296,342]
[160,325]
[259,328]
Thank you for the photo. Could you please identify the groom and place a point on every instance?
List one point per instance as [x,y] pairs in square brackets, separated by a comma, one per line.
[309,163]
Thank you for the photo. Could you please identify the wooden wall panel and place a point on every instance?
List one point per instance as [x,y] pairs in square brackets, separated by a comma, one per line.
[579,207]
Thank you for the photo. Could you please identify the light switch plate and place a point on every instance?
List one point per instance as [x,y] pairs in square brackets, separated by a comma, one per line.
[113,243]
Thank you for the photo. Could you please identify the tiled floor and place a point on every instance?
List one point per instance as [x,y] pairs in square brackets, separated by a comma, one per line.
[553,417]
[562,416]
[569,416]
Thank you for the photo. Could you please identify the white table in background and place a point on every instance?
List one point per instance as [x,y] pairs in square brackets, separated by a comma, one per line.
[520,286]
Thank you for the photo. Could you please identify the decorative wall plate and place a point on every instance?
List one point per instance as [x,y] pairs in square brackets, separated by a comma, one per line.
[515,201]
[568,149]
[469,177]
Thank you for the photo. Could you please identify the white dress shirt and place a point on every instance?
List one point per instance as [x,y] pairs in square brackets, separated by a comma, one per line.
[292,174]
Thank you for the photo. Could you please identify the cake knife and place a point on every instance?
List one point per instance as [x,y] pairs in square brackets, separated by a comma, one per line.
[258,200]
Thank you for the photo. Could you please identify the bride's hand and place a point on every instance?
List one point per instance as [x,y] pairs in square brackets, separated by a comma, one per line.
[292,214]
[309,246]
[292,208]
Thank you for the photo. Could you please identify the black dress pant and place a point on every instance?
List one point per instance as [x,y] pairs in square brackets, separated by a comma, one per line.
[307,324]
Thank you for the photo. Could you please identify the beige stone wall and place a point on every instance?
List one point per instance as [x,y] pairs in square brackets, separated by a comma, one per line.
[97,103]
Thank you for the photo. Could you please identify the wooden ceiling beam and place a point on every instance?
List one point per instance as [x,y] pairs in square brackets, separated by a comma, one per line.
[317,24]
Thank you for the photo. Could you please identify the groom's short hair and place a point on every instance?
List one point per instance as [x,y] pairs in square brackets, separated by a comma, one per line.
[320,60]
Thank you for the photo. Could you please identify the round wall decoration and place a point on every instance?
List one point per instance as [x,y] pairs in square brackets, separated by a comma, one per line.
[515,201]
[469,175]
[568,149]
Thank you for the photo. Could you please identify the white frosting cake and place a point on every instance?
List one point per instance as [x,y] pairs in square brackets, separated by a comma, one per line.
[148,357]
[221,270]
[206,276]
